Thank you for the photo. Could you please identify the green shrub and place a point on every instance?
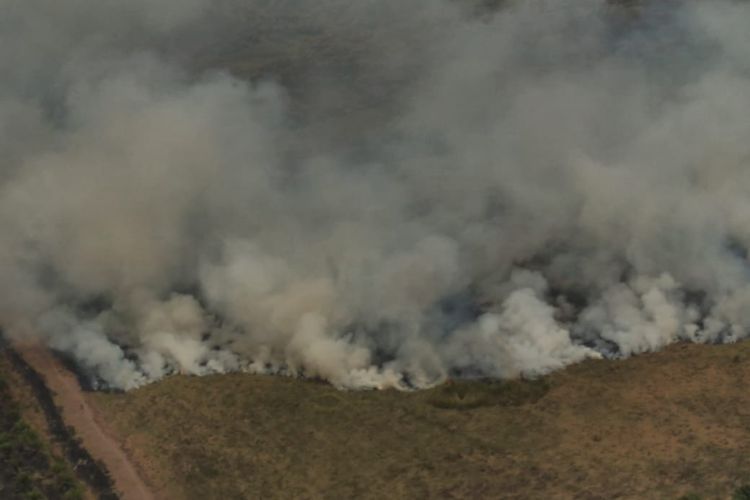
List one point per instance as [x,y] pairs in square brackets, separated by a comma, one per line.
[27,468]
[742,493]
[34,494]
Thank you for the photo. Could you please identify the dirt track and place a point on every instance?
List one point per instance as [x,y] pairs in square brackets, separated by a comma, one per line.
[79,414]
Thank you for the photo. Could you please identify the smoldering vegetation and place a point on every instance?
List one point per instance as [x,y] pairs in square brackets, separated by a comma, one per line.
[374,193]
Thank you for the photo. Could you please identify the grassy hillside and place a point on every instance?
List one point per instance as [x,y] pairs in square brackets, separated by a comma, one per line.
[655,426]
[28,469]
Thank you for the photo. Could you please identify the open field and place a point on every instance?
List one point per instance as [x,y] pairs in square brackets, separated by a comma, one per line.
[72,425]
[30,466]
[668,425]
[660,425]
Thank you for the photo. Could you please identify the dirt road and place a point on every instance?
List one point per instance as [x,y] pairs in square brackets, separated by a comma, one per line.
[78,414]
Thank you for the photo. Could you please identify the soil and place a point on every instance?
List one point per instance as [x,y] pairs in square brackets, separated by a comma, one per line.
[78,413]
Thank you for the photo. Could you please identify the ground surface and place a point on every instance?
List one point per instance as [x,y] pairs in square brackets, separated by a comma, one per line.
[89,428]
[654,426]
[29,466]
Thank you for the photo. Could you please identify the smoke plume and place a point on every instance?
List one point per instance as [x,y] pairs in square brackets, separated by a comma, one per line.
[377,193]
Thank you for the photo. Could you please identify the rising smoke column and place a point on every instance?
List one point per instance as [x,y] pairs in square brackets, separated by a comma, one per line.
[413,192]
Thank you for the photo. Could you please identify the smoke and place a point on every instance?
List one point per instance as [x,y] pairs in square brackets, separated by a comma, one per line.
[372,193]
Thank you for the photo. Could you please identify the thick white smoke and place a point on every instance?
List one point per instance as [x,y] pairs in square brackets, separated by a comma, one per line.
[373,193]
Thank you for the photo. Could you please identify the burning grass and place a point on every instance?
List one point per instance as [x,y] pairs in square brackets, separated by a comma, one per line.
[659,425]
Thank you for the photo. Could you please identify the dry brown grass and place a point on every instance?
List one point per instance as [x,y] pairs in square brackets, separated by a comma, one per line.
[654,426]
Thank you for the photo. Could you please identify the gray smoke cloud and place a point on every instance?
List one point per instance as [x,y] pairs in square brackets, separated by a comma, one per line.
[372,193]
